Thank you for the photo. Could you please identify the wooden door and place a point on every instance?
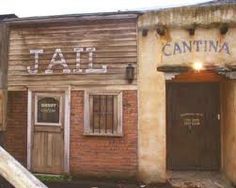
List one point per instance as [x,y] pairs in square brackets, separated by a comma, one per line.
[193,126]
[48,133]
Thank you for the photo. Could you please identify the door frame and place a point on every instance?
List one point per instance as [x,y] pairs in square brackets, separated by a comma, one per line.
[67,92]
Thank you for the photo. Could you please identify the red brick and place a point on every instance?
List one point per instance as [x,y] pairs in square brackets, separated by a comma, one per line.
[89,155]
[104,156]
[16,131]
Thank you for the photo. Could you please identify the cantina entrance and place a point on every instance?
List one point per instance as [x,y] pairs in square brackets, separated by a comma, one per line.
[193,126]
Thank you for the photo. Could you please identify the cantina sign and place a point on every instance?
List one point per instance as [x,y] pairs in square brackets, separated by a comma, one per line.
[58,59]
[183,47]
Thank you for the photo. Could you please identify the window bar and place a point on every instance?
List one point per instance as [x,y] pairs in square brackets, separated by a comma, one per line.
[99,126]
[93,125]
[106,115]
[112,125]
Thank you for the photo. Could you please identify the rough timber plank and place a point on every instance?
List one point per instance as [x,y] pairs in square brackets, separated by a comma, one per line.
[15,173]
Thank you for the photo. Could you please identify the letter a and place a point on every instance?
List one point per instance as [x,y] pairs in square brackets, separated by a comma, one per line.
[54,62]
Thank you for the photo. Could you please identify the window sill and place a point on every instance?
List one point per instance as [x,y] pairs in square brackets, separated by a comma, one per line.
[104,134]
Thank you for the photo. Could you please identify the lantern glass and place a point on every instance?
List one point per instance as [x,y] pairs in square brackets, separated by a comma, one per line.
[130,73]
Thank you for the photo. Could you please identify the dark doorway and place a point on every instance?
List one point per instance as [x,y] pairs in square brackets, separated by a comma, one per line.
[193,126]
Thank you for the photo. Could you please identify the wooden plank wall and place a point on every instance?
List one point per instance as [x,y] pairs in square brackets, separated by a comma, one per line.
[4,42]
[3,55]
[114,40]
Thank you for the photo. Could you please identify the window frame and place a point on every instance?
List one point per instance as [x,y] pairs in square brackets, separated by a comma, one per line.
[87,112]
[37,95]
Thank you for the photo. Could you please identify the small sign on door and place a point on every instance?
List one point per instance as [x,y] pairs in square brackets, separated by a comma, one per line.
[48,110]
[191,119]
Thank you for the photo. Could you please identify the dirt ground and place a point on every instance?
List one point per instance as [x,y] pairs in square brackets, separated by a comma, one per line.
[88,183]
[175,179]
[96,184]
[199,179]
[195,179]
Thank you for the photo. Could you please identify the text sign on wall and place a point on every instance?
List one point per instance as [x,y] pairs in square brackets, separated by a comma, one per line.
[189,46]
[58,59]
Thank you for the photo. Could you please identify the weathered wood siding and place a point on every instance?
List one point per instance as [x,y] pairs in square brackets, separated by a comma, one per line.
[3,55]
[113,38]
[4,39]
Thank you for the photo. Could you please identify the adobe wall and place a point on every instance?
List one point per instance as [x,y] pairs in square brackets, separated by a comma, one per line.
[169,48]
[229,129]
[152,122]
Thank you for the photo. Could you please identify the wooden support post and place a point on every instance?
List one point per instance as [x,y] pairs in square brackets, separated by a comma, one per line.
[4,40]
[16,174]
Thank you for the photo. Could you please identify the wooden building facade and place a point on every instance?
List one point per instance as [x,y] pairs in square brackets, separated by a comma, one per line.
[124,94]
[72,94]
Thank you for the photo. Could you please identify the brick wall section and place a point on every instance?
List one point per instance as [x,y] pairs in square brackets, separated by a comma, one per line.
[104,156]
[16,131]
[89,155]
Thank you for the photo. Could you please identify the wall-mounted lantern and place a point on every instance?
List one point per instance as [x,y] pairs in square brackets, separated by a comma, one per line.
[197,66]
[130,73]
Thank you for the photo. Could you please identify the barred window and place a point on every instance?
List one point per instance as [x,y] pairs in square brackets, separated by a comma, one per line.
[103,113]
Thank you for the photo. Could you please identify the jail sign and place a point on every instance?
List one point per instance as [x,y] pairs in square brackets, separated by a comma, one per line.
[59,60]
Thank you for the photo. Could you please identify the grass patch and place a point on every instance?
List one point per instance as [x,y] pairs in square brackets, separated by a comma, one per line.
[53,178]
